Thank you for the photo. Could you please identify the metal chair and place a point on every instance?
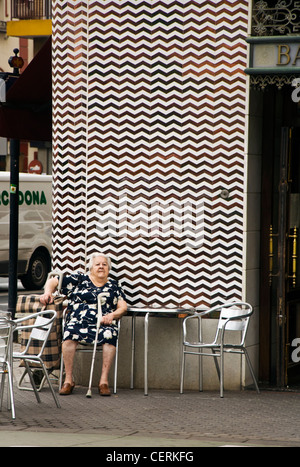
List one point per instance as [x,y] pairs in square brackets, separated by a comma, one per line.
[88,348]
[38,338]
[6,331]
[233,317]
[82,347]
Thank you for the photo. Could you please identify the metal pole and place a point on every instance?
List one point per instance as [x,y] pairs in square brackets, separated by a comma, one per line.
[13,226]
[16,63]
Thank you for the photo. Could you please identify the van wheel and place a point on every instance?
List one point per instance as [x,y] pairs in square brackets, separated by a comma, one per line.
[37,271]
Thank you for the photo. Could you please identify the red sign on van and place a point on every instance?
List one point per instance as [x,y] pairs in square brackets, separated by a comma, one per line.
[35,167]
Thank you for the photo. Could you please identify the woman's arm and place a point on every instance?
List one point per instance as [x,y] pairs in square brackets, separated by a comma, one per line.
[50,287]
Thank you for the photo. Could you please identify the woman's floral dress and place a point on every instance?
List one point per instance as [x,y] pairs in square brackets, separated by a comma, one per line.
[82,309]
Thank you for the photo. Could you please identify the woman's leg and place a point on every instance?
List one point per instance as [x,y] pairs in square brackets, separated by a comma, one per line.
[68,350]
[109,352]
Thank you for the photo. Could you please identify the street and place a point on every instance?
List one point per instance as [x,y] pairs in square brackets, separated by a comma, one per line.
[4,292]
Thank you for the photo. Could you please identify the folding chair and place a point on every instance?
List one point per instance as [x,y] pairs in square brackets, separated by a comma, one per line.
[233,317]
[38,339]
[6,330]
[30,304]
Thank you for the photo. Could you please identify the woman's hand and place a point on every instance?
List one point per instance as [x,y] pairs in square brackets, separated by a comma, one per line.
[115,315]
[46,298]
[107,319]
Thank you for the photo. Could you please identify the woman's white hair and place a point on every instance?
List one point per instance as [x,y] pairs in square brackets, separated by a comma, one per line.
[95,255]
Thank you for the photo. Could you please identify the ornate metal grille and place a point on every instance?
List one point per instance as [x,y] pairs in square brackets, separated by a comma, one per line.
[271,18]
[261,82]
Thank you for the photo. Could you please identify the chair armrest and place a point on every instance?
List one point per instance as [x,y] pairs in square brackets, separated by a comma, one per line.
[197,316]
[18,321]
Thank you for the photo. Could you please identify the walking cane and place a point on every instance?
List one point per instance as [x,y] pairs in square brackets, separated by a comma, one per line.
[99,317]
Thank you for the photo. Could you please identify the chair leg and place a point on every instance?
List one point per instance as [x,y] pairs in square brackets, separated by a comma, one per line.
[251,371]
[221,373]
[217,364]
[200,373]
[32,381]
[182,373]
[50,385]
[220,369]
[200,358]
[11,393]
[2,390]
[24,388]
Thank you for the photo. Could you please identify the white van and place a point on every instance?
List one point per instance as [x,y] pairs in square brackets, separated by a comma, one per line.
[35,228]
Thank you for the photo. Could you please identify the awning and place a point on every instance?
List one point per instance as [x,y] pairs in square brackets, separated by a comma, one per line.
[27,112]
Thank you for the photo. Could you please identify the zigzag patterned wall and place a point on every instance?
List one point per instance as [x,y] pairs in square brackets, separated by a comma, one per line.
[149,128]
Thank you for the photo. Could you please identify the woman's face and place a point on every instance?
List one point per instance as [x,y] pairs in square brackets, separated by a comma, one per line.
[100,267]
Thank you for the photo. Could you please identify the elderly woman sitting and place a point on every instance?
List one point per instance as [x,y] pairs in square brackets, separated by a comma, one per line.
[82,291]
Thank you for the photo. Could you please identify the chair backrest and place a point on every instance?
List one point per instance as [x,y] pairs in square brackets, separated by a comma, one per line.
[6,329]
[43,326]
[40,329]
[234,317]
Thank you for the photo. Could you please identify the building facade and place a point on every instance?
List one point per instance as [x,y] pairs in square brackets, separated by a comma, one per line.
[176,141]
[150,143]
[149,136]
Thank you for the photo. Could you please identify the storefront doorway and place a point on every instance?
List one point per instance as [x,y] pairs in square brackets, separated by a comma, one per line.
[280,261]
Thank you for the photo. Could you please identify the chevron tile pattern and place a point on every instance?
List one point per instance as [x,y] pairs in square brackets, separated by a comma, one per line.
[149,130]
[69,52]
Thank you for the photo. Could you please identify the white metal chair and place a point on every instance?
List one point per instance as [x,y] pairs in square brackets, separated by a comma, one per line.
[6,331]
[233,317]
[38,338]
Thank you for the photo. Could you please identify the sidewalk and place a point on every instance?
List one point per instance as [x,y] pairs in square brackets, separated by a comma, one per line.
[161,419]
